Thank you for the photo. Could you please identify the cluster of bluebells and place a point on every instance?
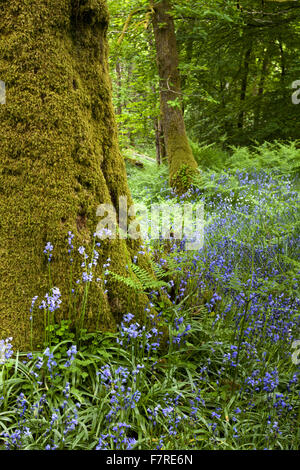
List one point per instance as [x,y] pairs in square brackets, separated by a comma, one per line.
[196,405]
[180,331]
[133,333]
[119,382]
[64,416]
[170,415]
[172,412]
[215,266]
[33,413]
[116,439]
[71,353]
[238,266]
[226,248]
[231,357]
[15,439]
[52,300]
[257,382]
[87,275]
[51,362]
[6,350]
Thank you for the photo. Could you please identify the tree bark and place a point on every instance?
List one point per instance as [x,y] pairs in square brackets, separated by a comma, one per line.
[163,153]
[244,85]
[283,61]
[263,76]
[157,140]
[119,87]
[182,164]
[130,135]
[59,160]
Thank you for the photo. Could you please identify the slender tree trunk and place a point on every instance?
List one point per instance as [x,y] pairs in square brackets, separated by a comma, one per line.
[157,140]
[283,61]
[59,160]
[130,135]
[244,85]
[119,87]
[263,75]
[182,164]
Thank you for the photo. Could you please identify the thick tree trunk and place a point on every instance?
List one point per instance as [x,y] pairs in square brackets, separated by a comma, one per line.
[161,156]
[163,153]
[59,160]
[182,164]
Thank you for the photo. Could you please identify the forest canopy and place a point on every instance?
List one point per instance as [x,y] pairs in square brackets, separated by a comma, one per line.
[238,62]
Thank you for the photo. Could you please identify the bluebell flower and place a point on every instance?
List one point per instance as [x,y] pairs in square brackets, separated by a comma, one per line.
[48,251]
[51,363]
[6,350]
[71,353]
[52,301]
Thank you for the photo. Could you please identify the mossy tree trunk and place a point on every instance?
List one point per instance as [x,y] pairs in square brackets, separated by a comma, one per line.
[59,159]
[182,164]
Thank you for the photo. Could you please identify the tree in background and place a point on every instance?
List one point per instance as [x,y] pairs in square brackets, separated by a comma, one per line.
[230,95]
[242,63]
[181,161]
[133,72]
[169,121]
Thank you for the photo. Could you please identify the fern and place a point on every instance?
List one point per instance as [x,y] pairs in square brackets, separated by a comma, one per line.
[146,279]
[128,281]
[142,281]
[170,269]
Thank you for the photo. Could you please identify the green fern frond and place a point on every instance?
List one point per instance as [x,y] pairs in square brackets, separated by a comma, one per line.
[134,284]
[146,279]
[142,280]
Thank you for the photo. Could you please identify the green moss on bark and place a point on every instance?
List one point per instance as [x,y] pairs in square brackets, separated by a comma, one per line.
[59,156]
[182,164]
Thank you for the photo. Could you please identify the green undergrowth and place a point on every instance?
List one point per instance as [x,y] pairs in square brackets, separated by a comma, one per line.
[217,366]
